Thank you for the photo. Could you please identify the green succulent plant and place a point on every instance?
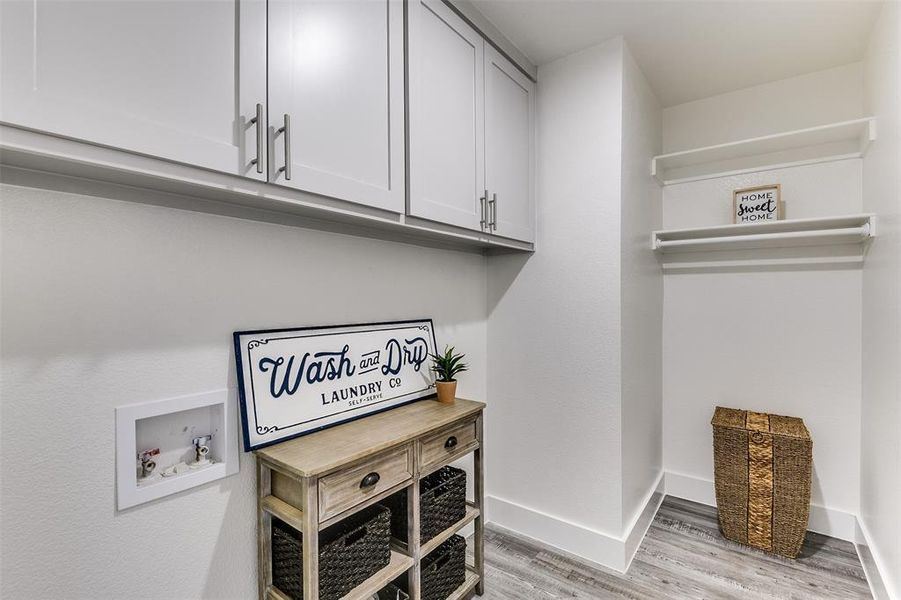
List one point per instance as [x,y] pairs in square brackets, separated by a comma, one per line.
[447,365]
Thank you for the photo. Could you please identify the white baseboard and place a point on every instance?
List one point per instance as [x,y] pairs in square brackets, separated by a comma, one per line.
[874,567]
[828,521]
[638,528]
[591,545]
[690,488]
[584,543]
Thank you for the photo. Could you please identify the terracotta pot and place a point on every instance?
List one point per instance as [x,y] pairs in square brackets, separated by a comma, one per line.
[447,391]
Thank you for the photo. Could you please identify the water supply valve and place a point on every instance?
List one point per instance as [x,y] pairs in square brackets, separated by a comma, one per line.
[147,462]
[202,449]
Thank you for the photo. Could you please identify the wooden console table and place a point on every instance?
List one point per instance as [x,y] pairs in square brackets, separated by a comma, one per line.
[315,481]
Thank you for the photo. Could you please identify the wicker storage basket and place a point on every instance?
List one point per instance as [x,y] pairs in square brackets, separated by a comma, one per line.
[349,553]
[762,468]
[442,502]
[444,569]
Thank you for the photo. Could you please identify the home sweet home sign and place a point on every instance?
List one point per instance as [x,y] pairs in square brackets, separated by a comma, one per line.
[295,381]
[756,204]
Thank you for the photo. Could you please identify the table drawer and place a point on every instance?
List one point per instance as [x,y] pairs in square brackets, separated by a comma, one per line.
[345,489]
[448,445]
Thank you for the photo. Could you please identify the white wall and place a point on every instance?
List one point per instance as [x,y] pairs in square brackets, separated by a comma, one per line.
[107,303]
[880,491]
[642,294]
[777,339]
[554,329]
[805,101]
[574,331]
[785,341]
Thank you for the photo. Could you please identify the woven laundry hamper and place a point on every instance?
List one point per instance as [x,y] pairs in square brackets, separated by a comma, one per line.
[762,468]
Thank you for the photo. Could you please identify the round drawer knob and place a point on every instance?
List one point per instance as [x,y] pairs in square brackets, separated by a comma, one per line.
[451,443]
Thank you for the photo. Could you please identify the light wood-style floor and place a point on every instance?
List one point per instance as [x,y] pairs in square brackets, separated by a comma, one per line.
[682,556]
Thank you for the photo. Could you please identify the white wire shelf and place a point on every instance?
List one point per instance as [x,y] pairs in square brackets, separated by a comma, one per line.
[834,141]
[850,229]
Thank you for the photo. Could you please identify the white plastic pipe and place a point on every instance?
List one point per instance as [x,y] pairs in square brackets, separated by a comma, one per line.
[862,231]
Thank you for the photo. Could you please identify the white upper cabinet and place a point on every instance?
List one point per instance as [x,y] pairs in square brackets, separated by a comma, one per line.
[351,100]
[336,99]
[447,116]
[179,80]
[471,128]
[509,143]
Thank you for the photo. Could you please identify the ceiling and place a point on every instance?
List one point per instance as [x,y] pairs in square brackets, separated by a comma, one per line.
[691,49]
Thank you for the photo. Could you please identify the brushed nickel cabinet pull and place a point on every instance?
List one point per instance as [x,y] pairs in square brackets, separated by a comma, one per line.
[286,130]
[493,205]
[484,221]
[261,140]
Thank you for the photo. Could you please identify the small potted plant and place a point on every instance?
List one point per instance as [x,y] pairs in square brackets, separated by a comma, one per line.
[446,366]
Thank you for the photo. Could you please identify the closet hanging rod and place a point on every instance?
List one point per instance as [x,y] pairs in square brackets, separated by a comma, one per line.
[862,231]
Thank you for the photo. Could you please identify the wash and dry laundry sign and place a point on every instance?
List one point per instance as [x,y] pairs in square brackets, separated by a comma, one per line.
[294,381]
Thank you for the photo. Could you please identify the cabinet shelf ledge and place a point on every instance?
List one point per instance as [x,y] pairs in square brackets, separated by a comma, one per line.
[34,159]
[282,510]
[472,512]
[472,579]
[399,564]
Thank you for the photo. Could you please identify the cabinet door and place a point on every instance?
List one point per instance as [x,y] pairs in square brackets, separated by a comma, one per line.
[178,80]
[509,146]
[447,125]
[336,71]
